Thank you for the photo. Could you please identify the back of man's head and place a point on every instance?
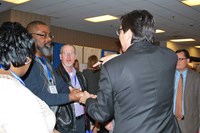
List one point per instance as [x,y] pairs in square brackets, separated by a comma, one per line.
[141,23]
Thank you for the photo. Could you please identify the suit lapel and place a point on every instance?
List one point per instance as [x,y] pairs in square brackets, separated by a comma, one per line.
[189,79]
[188,83]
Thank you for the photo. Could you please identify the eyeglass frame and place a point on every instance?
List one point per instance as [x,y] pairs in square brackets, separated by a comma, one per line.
[68,53]
[181,59]
[118,31]
[44,35]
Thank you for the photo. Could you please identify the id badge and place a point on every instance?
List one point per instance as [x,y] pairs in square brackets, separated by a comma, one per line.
[53,89]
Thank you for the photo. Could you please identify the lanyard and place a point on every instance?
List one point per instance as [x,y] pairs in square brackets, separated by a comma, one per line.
[45,67]
[1,67]
[75,80]
[15,75]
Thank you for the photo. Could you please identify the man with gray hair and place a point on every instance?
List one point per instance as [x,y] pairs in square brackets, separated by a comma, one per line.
[76,79]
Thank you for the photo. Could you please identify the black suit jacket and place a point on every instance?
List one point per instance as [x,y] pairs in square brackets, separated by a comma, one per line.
[92,77]
[137,88]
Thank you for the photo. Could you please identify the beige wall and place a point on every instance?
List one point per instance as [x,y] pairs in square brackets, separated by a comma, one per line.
[24,18]
[84,39]
[62,35]
[5,16]
[195,52]
[65,36]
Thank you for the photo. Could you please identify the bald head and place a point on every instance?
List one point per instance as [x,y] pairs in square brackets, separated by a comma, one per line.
[32,26]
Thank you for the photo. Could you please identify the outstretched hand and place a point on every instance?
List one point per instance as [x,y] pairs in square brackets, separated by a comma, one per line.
[85,96]
[105,59]
[55,131]
[109,126]
[75,94]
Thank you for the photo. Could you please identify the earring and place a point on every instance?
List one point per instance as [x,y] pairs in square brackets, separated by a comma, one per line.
[28,60]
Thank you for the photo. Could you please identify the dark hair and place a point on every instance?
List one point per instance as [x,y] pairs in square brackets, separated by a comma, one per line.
[92,60]
[141,23]
[16,44]
[187,54]
[33,24]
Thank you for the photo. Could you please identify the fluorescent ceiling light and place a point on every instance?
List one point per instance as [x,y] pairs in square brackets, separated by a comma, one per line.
[197,46]
[191,2]
[101,18]
[16,1]
[183,40]
[159,31]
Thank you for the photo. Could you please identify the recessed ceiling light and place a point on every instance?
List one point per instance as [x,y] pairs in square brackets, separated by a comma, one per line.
[191,2]
[16,1]
[197,46]
[101,18]
[159,31]
[183,40]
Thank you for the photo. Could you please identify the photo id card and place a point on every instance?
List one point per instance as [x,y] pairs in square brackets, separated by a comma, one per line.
[53,89]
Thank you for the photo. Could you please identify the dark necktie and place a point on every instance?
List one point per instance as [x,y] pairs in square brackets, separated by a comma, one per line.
[179,111]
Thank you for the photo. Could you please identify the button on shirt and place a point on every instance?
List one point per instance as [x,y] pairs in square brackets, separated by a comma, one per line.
[177,76]
[79,109]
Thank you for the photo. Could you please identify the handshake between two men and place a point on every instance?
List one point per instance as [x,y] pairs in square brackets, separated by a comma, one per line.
[79,96]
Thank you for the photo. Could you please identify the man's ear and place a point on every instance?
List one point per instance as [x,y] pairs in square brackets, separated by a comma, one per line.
[129,35]
[60,56]
[188,60]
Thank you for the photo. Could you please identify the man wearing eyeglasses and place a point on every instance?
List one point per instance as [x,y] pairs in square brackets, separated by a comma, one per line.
[135,87]
[41,79]
[189,122]
[77,80]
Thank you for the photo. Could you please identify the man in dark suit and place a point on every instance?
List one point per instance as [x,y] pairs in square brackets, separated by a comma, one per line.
[190,120]
[136,88]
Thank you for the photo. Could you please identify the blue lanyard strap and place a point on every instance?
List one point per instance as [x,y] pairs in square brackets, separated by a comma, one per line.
[75,80]
[1,67]
[44,64]
[15,75]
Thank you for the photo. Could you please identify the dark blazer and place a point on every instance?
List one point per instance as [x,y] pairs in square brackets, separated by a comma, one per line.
[92,76]
[191,121]
[137,88]
[66,120]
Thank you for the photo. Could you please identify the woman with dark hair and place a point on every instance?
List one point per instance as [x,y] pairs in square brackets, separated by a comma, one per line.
[92,75]
[21,111]
[76,65]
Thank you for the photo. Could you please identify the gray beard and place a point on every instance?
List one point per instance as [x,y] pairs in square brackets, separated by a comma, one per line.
[46,51]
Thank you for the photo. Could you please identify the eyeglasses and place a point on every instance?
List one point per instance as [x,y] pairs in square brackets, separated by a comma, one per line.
[118,31]
[66,53]
[44,35]
[180,59]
